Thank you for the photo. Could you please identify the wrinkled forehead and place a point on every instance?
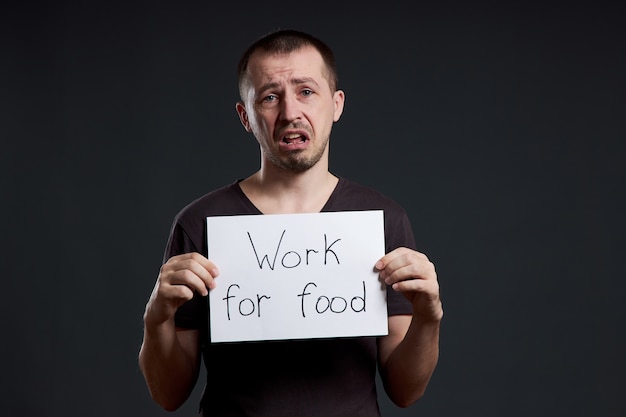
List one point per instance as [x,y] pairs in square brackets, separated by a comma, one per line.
[305,62]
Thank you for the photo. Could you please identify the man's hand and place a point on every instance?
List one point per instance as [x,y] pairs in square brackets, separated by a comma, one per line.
[169,357]
[409,354]
[178,279]
[411,273]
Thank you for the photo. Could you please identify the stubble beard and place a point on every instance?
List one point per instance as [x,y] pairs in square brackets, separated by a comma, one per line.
[295,162]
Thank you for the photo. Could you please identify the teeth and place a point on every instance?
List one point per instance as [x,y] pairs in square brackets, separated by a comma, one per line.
[293,137]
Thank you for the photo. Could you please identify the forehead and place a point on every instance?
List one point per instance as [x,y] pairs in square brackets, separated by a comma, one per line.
[306,62]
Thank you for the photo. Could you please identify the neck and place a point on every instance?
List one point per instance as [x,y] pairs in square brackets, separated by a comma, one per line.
[274,191]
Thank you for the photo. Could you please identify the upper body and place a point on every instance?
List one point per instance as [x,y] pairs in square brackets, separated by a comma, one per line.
[289,101]
[323,377]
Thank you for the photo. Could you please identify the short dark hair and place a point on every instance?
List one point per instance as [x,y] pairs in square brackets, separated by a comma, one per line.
[284,41]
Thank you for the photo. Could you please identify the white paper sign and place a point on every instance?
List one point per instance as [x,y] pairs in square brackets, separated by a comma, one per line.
[297,276]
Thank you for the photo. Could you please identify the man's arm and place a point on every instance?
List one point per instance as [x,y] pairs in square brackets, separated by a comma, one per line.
[409,353]
[170,362]
[169,357]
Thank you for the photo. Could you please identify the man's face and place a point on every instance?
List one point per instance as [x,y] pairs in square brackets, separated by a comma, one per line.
[289,107]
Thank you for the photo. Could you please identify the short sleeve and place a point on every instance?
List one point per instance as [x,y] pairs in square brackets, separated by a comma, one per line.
[194,313]
[398,233]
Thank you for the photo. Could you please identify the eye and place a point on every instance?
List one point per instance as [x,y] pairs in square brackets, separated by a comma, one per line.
[307,92]
[270,98]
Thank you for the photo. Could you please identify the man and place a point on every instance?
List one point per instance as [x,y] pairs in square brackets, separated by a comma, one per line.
[289,101]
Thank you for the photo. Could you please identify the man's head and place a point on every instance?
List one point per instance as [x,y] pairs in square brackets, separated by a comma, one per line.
[284,42]
[289,99]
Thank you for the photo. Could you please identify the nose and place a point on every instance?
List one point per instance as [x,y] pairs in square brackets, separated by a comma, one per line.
[289,108]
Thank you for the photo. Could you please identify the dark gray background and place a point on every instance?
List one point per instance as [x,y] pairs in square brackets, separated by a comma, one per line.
[499,126]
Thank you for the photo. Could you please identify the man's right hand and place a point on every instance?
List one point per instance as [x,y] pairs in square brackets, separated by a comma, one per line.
[179,278]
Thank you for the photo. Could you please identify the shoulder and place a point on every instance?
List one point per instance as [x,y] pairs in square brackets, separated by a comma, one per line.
[224,201]
[351,195]
[362,197]
[188,230]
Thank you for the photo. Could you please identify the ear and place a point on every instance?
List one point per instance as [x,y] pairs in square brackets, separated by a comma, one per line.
[339,99]
[243,116]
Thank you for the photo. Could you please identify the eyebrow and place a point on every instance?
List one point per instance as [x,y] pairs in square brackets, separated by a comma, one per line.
[293,81]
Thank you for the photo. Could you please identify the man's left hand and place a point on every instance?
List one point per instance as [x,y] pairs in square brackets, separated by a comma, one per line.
[413,274]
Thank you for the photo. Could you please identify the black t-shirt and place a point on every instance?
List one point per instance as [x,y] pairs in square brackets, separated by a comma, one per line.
[322,377]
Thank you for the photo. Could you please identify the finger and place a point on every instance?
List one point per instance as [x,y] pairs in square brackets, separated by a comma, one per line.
[398,255]
[177,291]
[196,257]
[205,272]
[428,287]
[425,297]
[188,279]
[405,267]
[384,261]
[206,264]
[192,270]
[414,271]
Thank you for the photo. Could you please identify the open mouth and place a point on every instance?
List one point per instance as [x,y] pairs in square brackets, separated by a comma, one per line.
[294,139]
